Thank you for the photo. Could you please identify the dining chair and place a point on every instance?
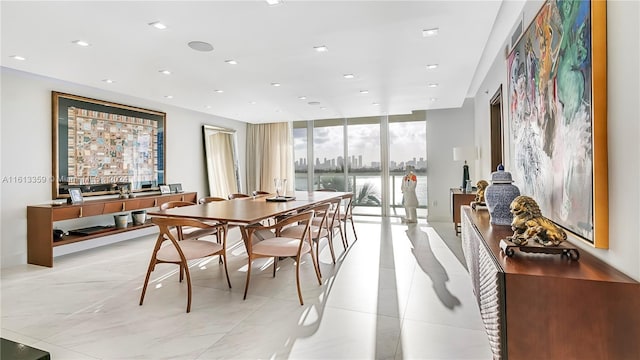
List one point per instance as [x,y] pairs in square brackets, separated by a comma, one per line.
[208,199]
[179,251]
[186,232]
[273,244]
[347,215]
[238,196]
[333,221]
[319,229]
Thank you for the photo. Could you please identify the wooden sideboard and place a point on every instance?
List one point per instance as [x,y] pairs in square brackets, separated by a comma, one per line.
[540,306]
[41,221]
[459,198]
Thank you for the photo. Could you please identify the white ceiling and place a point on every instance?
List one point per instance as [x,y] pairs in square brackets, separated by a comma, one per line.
[380,42]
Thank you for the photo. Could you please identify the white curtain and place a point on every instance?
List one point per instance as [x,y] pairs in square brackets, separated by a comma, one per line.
[220,164]
[269,156]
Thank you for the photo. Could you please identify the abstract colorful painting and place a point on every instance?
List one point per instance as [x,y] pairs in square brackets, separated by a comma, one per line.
[551,112]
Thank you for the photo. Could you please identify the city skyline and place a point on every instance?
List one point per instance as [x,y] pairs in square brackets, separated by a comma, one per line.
[355,162]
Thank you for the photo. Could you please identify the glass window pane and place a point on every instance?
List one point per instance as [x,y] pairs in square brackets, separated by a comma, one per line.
[364,166]
[329,162]
[300,156]
[407,146]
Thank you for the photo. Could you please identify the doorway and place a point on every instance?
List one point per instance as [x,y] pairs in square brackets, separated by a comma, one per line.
[497,150]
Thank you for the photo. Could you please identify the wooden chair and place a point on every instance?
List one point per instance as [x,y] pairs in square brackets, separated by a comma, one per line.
[238,196]
[179,251]
[185,232]
[333,221]
[208,199]
[275,246]
[319,229]
[347,215]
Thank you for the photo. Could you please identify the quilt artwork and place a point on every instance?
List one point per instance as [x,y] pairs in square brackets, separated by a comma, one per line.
[550,112]
[109,148]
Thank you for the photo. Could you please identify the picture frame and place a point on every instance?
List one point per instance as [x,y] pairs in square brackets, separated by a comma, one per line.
[175,188]
[75,196]
[165,189]
[99,146]
[557,77]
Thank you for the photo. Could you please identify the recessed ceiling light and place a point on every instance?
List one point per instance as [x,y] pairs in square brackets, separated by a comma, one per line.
[164,72]
[231,62]
[108,81]
[208,106]
[219,91]
[430,32]
[323,108]
[364,91]
[375,104]
[432,66]
[275,84]
[253,103]
[168,96]
[434,99]
[432,85]
[321,48]
[314,103]
[302,97]
[200,46]
[348,76]
[81,43]
[17,57]
[158,25]
[273,2]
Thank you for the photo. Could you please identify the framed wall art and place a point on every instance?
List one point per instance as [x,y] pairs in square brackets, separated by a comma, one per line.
[101,147]
[557,85]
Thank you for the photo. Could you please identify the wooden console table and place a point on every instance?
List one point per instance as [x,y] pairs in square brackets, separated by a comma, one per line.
[41,219]
[540,306]
[459,198]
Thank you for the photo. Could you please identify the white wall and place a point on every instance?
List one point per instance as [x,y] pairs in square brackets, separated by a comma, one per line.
[26,148]
[447,129]
[623,119]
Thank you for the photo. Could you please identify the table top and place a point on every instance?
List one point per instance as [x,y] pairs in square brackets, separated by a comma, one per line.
[248,210]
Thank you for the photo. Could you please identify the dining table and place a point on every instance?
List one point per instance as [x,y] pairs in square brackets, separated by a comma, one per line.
[250,210]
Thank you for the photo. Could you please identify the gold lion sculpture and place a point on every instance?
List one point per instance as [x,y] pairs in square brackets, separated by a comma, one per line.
[479,200]
[482,186]
[528,223]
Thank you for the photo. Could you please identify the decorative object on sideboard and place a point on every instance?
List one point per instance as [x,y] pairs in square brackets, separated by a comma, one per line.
[481,185]
[75,196]
[124,191]
[121,220]
[464,153]
[139,217]
[529,224]
[165,189]
[175,188]
[499,196]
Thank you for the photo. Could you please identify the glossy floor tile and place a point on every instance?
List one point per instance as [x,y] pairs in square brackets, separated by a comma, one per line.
[401,291]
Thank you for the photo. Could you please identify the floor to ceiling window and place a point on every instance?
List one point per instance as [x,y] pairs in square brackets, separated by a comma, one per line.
[365,168]
[300,156]
[407,146]
[366,156]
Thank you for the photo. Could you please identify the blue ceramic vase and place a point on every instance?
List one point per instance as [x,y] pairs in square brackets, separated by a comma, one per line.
[499,196]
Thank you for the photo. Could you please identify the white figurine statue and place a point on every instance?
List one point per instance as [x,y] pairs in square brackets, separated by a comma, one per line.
[409,198]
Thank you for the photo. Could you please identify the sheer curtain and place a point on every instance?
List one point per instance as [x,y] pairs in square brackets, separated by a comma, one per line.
[269,156]
[220,164]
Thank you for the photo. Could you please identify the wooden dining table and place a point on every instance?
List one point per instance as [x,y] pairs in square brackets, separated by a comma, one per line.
[250,210]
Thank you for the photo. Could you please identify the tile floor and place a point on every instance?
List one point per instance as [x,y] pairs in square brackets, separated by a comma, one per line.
[399,292]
